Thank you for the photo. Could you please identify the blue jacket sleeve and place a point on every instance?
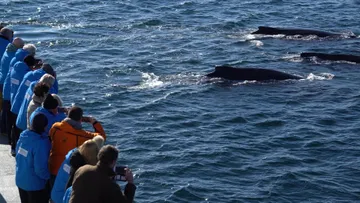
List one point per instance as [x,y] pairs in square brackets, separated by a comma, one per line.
[55,87]
[6,88]
[67,195]
[41,157]
[19,97]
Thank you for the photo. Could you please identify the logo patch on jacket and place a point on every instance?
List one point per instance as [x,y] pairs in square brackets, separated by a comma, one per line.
[23,152]
[67,168]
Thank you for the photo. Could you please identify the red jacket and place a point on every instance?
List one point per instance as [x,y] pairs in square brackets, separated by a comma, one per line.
[65,138]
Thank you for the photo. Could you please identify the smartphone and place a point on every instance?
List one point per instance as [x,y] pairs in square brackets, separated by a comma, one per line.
[63,109]
[120,173]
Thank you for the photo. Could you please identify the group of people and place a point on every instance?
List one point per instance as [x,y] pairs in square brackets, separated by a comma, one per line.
[56,159]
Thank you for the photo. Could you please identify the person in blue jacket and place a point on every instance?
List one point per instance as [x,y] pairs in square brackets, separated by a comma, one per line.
[28,49]
[32,172]
[11,49]
[6,36]
[24,85]
[9,54]
[50,110]
[36,94]
[17,73]
[58,190]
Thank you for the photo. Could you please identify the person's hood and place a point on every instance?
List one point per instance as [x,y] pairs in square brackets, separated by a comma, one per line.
[11,48]
[4,38]
[77,160]
[30,136]
[38,73]
[20,54]
[75,124]
[68,155]
[20,66]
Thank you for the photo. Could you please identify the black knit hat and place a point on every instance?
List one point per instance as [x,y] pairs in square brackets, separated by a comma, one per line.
[50,102]
[39,123]
[29,60]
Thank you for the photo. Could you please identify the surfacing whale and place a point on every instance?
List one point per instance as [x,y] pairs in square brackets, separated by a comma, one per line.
[332,57]
[295,31]
[258,74]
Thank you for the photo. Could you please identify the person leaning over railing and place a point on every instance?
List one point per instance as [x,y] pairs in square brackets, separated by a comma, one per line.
[16,75]
[68,134]
[36,97]
[32,155]
[95,184]
[28,49]
[9,53]
[50,110]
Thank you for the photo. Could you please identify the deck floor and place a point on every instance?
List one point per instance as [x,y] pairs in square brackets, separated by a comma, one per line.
[8,189]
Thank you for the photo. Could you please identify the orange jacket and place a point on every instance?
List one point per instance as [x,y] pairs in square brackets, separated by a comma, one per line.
[65,138]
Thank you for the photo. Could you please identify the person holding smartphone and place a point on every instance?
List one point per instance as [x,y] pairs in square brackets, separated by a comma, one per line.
[95,184]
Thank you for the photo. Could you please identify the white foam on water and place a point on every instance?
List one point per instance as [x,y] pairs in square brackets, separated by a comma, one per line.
[149,81]
[293,58]
[320,76]
[257,43]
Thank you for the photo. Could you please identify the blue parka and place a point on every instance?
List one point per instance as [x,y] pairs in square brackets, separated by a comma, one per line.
[5,62]
[29,77]
[32,155]
[58,190]
[17,74]
[19,56]
[50,116]
[3,44]
[21,120]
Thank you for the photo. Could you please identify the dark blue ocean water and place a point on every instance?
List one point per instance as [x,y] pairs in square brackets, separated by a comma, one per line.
[137,66]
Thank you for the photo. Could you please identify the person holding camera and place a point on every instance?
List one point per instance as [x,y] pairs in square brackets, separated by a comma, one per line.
[69,134]
[95,184]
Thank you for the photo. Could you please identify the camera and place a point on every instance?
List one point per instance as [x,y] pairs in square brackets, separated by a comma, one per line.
[85,119]
[120,173]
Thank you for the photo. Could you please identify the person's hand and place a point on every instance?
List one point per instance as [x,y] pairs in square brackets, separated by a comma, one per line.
[129,176]
[92,120]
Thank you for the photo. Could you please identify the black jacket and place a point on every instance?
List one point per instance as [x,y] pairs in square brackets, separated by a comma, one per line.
[94,184]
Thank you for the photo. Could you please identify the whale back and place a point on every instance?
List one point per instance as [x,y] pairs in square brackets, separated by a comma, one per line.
[332,57]
[292,31]
[258,74]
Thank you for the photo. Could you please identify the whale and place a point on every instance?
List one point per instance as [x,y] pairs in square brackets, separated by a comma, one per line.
[258,74]
[296,31]
[332,57]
